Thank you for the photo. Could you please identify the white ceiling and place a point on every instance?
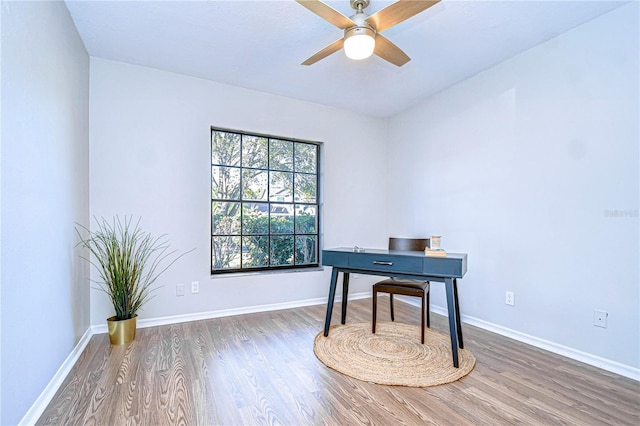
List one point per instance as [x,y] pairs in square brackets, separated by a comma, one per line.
[260,44]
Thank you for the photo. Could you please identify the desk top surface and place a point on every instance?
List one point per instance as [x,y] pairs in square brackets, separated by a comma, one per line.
[375,251]
[400,263]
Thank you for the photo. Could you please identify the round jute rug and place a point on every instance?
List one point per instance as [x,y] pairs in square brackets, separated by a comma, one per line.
[392,356]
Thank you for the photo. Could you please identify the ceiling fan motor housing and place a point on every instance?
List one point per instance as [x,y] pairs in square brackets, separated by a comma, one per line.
[353,31]
[362,27]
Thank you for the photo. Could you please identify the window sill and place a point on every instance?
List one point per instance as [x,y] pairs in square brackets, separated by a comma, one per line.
[267,272]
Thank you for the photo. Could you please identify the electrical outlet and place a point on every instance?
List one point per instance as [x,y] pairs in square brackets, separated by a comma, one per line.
[180,290]
[510,298]
[600,318]
[195,287]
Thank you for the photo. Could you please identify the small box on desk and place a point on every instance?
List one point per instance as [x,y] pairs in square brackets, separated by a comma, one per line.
[435,253]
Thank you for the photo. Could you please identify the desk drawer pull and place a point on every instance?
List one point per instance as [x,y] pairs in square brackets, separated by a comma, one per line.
[377,262]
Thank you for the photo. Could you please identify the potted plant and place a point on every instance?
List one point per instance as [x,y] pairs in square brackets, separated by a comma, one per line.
[128,261]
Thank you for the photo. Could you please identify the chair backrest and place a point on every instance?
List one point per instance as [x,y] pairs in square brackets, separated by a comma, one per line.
[408,244]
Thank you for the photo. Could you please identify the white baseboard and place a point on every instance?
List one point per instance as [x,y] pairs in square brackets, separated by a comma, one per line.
[38,407]
[175,319]
[587,358]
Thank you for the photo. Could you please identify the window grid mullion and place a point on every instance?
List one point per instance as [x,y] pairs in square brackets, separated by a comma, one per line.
[241,196]
[269,200]
[293,206]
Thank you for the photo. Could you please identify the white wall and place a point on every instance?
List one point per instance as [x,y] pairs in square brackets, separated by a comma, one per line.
[150,157]
[45,157]
[525,167]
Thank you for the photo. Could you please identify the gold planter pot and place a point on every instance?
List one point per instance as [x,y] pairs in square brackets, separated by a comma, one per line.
[122,332]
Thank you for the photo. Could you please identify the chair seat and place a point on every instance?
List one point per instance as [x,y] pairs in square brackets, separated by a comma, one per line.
[404,283]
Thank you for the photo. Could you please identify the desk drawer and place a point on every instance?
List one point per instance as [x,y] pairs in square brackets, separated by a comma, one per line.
[385,262]
[339,259]
[446,266]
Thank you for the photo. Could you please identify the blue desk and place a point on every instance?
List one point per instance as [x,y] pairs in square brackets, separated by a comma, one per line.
[401,264]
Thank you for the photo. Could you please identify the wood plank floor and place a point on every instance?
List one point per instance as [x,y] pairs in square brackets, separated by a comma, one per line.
[260,369]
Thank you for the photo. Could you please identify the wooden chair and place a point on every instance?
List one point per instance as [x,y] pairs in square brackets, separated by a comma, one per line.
[403,286]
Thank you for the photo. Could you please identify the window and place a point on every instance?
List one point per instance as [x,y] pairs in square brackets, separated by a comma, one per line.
[265,211]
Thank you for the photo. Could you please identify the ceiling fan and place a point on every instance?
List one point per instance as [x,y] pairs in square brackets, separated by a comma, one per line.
[362,35]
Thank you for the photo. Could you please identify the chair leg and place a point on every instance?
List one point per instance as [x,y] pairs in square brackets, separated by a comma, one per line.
[423,317]
[375,309]
[391,306]
[428,310]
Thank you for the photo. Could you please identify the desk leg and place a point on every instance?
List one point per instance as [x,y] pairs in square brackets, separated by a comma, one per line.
[453,321]
[345,295]
[458,326]
[332,296]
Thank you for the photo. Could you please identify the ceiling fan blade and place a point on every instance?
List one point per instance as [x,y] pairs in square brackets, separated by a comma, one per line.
[398,12]
[332,48]
[327,13]
[389,51]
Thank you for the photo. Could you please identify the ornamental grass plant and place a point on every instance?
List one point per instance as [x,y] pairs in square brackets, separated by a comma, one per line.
[128,260]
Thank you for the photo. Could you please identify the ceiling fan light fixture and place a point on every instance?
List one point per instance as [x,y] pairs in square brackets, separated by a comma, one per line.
[359,42]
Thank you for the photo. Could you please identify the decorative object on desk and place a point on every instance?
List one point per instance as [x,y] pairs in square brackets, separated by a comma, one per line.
[435,242]
[435,247]
[128,261]
[435,253]
[392,356]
